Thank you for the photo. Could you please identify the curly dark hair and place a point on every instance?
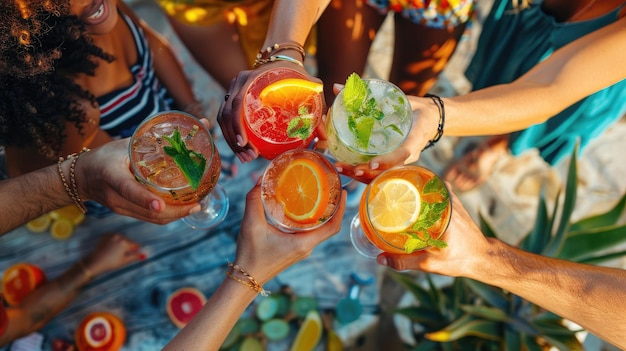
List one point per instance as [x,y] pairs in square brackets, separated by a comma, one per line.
[42,49]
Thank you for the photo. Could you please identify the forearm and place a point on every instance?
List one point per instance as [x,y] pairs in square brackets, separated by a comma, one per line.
[292,20]
[591,296]
[209,328]
[40,306]
[573,72]
[30,195]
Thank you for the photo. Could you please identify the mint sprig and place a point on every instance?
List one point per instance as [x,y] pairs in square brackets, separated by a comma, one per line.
[362,109]
[300,127]
[191,163]
[430,214]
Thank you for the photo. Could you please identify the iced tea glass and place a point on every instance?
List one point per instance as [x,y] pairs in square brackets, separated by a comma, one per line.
[402,210]
[282,110]
[300,190]
[369,117]
[172,154]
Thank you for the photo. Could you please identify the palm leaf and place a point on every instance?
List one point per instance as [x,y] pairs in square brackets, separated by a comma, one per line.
[588,243]
[539,237]
[602,220]
[568,207]
[464,327]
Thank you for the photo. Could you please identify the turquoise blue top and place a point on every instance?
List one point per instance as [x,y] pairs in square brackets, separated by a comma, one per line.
[512,43]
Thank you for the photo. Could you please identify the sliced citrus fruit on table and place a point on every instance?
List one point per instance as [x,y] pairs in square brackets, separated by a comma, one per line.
[100,331]
[309,334]
[183,304]
[284,92]
[303,190]
[39,224]
[62,228]
[19,280]
[395,207]
[70,212]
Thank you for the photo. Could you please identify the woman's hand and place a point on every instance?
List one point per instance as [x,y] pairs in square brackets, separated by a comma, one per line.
[230,114]
[264,251]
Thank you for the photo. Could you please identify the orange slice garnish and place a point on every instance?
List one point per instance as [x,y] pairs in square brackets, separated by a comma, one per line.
[287,91]
[303,190]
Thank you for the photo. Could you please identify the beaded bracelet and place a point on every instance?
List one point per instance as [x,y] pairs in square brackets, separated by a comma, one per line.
[270,54]
[73,191]
[442,119]
[252,283]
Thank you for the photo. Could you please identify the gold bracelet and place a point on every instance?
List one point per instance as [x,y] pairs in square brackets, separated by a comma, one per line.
[73,191]
[251,283]
[270,54]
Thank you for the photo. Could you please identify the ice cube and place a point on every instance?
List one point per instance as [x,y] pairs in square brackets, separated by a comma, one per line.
[144,144]
[163,129]
[170,177]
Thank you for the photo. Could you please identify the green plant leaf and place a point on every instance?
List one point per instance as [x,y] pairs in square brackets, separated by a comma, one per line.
[455,331]
[530,343]
[412,286]
[602,220]
[488,313]
[191,163]
[568,208]
[603,258]
[538,237]
[512,339]
[428,317]
[493,296]
[588,243]
[485,227]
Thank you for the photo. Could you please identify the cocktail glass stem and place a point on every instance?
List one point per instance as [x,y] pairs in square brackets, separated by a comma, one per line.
[214,208]
[360,242]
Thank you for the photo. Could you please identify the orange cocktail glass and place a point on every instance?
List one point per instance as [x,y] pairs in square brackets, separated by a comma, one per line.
[402,210]
[281,111]
[300,190]
[162,174]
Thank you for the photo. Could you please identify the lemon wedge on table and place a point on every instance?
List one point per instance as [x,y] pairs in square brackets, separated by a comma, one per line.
[62,228]
[395,207]
[309,334]
[39,224]
[70,212]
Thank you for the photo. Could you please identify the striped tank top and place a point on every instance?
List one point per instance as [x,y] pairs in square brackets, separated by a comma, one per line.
[123,109]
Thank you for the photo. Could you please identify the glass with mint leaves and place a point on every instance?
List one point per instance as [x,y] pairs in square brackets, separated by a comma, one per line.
[172,154]
[369,117]
[404,209]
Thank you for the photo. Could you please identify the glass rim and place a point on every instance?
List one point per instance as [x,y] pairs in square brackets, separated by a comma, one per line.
[270,141]
[389,147]
[331,171]
[399,169]
[138,175]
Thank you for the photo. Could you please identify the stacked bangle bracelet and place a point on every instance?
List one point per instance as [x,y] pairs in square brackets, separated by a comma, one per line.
[442,119]
[251,283]
[271,54]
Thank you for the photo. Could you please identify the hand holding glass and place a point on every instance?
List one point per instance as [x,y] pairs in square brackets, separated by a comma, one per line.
[172,154]
[402,210]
